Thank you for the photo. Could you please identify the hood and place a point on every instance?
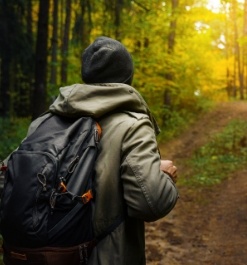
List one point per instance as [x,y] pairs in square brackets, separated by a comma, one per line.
[97,100]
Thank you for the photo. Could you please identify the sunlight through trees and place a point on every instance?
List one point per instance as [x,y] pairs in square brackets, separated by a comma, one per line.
[185,51]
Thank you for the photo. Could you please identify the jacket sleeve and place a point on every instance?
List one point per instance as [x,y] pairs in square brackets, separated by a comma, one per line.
[150,194]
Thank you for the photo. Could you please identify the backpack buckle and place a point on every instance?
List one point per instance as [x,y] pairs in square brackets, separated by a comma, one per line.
[86,197]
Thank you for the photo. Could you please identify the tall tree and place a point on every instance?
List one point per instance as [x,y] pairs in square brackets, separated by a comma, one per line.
[118,9]
[170,50]
[16,57]
[229,78]
[39,97]
[24,80]
[29,20]
[245,47]
[83,24]
[238,64]
[54,44]
[5,55]
[65,43]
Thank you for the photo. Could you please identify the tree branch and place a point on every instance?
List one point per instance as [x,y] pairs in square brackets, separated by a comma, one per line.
[142,6]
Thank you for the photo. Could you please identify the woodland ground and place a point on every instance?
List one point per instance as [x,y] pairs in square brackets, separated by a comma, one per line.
[208,226]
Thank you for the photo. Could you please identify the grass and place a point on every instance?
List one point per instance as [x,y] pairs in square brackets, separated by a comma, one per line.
[225,153]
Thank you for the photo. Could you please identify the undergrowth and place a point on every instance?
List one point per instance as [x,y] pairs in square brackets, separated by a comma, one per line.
[12,132]
[179,120]
[223,154]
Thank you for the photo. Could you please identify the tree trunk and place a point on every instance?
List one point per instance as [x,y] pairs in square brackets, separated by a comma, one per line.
[237,50]
[65,44]
[88,24]
[25,80]
[245,49]
[229,77]
[118,7]
[29,20]
[5,58]
[83,25]
[170,49]
[54,44]
[39,97]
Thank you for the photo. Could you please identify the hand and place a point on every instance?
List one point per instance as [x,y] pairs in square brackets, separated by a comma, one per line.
[167,167]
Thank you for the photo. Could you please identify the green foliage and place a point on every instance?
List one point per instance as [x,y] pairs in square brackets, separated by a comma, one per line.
[223,154]
[196,63]
[177,122]
[180,118]
[12,132]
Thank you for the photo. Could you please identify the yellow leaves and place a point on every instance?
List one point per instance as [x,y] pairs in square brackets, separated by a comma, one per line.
[197,64]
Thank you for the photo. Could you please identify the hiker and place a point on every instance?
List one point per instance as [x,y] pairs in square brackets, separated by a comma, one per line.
[132,184]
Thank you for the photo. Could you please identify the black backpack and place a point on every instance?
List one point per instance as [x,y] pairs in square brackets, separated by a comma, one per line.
[48,188]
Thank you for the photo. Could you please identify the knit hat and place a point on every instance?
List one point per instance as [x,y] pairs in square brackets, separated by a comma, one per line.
[107,61]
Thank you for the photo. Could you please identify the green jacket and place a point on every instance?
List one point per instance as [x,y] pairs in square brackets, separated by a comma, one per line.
[129,183]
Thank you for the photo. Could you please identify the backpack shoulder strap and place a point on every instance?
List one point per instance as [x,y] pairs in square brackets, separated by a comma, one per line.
[36,123]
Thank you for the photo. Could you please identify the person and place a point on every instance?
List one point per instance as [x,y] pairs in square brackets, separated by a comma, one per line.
[132,183]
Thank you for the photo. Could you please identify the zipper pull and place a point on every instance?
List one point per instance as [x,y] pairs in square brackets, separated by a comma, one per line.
[73,165]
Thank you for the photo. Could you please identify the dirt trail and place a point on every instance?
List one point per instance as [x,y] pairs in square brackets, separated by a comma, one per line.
[207,226]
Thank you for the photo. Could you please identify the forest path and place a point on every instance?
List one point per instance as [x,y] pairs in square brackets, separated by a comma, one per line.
[208,226]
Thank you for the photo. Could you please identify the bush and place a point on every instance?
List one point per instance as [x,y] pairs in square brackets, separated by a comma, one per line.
[223,154]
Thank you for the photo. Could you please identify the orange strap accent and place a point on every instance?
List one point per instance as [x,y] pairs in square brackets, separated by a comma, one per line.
[63,187]
[86,197]
[99,129]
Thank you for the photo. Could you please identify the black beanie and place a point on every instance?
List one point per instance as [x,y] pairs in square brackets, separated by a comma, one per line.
[107,61]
